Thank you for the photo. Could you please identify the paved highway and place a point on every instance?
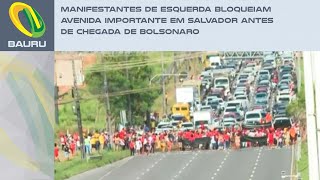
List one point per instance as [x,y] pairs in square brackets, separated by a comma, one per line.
[246,164]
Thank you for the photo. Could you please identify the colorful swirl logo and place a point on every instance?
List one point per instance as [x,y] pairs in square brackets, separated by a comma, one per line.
[36,23]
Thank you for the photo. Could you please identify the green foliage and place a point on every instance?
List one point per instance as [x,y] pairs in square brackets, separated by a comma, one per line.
[138,78]
[297,108]
[303,166]
[76,166]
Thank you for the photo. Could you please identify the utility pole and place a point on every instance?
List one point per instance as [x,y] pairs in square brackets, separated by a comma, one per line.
[164,106]
[77,108]
[128,96]
[107,102]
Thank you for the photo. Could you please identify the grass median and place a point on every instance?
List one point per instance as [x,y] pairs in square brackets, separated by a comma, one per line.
[303,167]
[75,166]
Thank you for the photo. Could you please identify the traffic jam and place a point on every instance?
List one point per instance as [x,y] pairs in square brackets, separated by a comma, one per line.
[234,103]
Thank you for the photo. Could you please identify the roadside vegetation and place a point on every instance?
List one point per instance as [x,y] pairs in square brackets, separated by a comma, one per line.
[66,169]
[303,167]
[92,103]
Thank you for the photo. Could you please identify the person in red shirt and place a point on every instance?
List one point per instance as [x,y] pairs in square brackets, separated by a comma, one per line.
[73,147]
[270,139]
[131,146]
[202,126]
[56,152]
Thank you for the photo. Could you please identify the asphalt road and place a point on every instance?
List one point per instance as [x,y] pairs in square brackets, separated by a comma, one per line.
[246,164]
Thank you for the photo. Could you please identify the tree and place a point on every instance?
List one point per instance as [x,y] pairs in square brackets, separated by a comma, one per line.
[118,82]
[297,109]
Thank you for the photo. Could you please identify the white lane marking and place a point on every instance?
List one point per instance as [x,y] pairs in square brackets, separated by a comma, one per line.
[218,169]
[212,177]
[105,175]
[292,149]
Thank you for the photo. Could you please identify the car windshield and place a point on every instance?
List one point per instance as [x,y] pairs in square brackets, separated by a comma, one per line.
[213,102]
[253,115]
[205,108]
[187,125]
[221,81]
[263,72]
[243,76]
[241,97]
[198,123]
[283,122]
[233,104]
[231,110]
[284,99]
[261,95]
[177,118]
[229,120]
[162,125]
[228,116]
[269,61]
[174,123]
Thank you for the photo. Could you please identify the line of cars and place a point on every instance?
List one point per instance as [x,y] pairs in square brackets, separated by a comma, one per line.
[274,90]
[241,93]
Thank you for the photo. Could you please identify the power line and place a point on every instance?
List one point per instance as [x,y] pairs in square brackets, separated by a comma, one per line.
[118,66]
[121,93]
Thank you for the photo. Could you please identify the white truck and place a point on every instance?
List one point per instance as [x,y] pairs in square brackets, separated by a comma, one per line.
[185,95]
[214,61]
[222,78]
[205,117]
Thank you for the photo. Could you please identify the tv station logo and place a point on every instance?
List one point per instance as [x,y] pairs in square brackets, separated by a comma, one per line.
[36,29]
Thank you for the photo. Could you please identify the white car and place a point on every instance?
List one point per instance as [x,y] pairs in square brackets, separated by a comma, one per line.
[229,122]
[283,92]
[231,109]
[221,103]
[242,97]
[206,108]
[161,127]
[262,72]
[239,93]
[187,126]
[284,99]
[252,116]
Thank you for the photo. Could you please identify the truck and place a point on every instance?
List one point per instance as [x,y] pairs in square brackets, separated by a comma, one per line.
[223,78]
[185,94]
[205,117]
[215,61]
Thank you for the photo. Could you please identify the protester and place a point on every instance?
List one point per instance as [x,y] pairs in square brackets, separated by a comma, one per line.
[131,146]
[56,152]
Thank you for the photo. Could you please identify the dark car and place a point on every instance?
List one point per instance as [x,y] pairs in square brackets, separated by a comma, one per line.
[281,122]
[280,109]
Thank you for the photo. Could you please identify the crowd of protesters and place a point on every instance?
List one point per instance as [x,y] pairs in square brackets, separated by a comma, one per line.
[146,142]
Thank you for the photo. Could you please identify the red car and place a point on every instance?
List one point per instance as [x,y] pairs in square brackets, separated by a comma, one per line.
[262,89]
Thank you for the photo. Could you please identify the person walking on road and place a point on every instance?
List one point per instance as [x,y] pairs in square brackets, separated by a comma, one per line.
[131,146]
[292,135]
[237,141]
[270,139]
[138,146]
